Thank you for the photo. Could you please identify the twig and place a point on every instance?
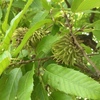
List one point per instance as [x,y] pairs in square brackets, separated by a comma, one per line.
[79,46]
[85,55]
[92,54]
[28,61]
[67,3]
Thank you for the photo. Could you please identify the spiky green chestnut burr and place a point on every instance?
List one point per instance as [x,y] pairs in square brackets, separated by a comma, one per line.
[65,51]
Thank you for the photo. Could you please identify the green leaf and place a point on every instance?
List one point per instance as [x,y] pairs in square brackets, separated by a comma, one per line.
[55,29]
[39,92]
[39,16]
[13,26]
[57,1]
[96,60]
[71,82]
[57,95]
[46,5]
[4,61]
[25,86]
[0,13]
[5,23]
[36,5]
[29,34]
[45,45]
[9,84]
[18,4]
[96,31]
[82,5]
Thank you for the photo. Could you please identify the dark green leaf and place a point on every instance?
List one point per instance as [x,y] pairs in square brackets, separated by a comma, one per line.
[39,92]
[55,29]
[25,86]
[57,95]
[45,45]
[9,84]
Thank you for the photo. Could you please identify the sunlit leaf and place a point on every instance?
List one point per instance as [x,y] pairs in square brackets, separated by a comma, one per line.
[83,5]
[5,23]
[4,61]
[71,82]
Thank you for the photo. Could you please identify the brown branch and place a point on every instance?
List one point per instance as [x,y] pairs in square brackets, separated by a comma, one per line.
[79,46]
[85,55]
[67,3]
[28,61]
[92,54]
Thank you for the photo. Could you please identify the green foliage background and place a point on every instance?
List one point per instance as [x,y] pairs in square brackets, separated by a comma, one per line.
[47,51]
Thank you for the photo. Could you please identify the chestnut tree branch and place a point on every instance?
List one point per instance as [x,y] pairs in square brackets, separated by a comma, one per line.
[67,3]
[79,46]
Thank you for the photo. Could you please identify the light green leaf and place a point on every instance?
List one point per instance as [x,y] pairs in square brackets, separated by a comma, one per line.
[96,60]
[5,23]
[29,34]
[46,5]
[25,86]
[39,16]
[13,26]
[96,31]
[45,45]
[71,82]
[57,1]
[82,5]
[4,61]
[9,84]
[37,5]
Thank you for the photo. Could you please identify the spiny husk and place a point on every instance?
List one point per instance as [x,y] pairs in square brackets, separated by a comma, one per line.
[36,37]
[18,36]
[33,40]
[65,51]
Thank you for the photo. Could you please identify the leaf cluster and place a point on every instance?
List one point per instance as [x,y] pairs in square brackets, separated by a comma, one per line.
[49,50]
